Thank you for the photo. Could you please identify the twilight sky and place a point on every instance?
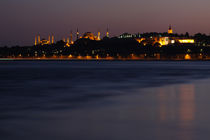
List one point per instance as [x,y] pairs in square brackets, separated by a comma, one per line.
[21,20]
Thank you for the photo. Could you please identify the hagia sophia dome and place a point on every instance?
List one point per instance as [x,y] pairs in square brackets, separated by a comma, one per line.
[89,35]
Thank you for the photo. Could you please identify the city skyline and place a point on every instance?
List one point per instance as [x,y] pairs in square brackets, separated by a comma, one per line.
[24,19]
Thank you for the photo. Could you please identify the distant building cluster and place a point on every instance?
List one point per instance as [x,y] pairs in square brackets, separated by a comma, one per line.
[155,39]
[158,46]
[69,40]
[160,39]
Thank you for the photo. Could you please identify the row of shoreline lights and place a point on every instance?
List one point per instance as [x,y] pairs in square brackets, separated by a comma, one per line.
[51,39]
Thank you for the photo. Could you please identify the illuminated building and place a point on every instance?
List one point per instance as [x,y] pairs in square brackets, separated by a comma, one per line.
[125,35]
[66,41]
[89,35]
[161,38]
[172,41]
[140,39]
[153,38]
[42,42]
[187,57]
[68,44]
[188,41]
[170,31]
[163,41]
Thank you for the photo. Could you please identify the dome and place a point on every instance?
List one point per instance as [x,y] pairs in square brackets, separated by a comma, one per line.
[89,35]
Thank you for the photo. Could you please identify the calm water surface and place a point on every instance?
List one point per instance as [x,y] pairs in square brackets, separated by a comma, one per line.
[107,100]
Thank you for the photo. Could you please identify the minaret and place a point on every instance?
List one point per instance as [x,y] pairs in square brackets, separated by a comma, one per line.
[71,38]
[99,35]
[67,39]
[77,34]
[53,39]
[39,39]
[35,41]
[170,31]
[49,39]
[107,32]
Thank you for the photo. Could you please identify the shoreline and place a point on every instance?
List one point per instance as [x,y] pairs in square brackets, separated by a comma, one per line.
[103,59]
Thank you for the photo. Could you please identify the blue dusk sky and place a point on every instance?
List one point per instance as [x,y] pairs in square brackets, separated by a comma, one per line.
[21,20]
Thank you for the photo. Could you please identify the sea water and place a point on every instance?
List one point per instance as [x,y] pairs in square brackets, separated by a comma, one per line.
[104,100]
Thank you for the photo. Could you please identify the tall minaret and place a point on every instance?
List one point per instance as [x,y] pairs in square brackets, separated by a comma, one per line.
[99,35]
[53,39]
[170,31]
[35,43]
[77,34]
[39,39]
[71,38]
[107,31]
[67,39]
[64,40]
[49,39]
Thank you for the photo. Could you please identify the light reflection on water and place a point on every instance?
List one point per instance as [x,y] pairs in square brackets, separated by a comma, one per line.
[179,104]
[185,96]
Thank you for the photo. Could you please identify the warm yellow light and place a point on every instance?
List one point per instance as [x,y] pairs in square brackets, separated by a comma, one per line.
[44,42]
[52,39]
[39,39]
[68,41]
[67,44]
[187,57]
[140,39]
[88,57]
[99,36]
[172,41]
[164,41]
[170,31]
[35,41]
[97,57]
[187,41]
[79,57]
[107,34]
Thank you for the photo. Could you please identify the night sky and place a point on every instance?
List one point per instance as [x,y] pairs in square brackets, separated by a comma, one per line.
[21,20]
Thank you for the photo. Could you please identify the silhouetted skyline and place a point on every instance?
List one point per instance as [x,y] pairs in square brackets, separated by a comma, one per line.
[21,20]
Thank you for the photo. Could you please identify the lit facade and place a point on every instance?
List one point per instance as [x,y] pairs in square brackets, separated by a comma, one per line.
[45,42]
[42,42]
[188,41]
[162,39]
[89,35]
[125,35]
[170,31]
